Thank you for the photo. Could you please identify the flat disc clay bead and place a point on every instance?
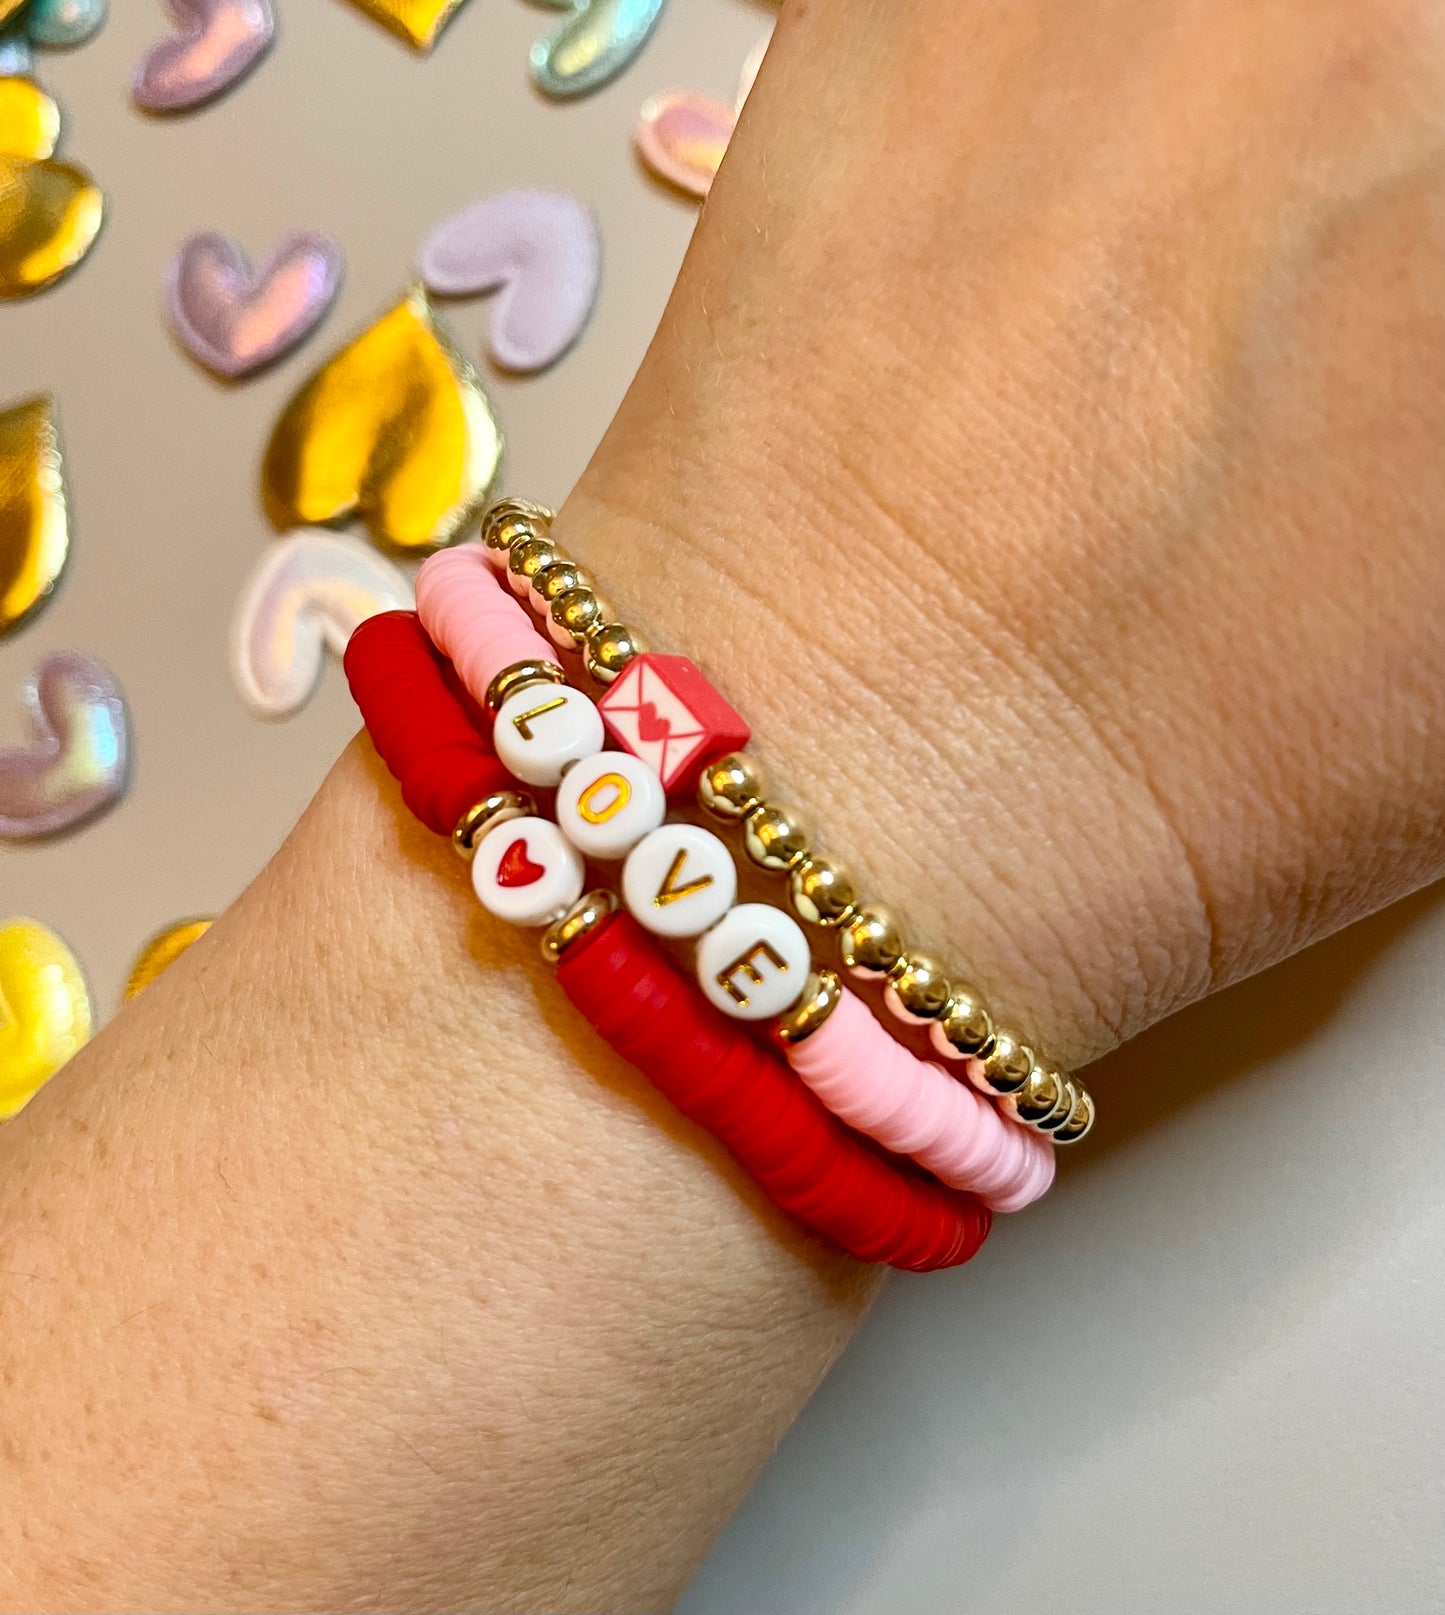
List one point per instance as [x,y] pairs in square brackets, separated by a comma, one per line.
[914,1107]
[473,619]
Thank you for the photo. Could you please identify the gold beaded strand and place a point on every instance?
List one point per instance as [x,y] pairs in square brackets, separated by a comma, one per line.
[776,839]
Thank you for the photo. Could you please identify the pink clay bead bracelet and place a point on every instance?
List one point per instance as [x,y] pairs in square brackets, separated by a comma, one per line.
[913,1107]
[472,619]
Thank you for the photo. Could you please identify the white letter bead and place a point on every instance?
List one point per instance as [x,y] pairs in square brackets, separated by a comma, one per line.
[754,963]
[679,880]
[525,871]
[607,803]
[545,727]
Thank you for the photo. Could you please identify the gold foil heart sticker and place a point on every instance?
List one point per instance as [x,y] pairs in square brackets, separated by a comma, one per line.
[161,952]
[417,21]
[29,119]
[395,429]
[50,212]
[34,518]
[44,1010]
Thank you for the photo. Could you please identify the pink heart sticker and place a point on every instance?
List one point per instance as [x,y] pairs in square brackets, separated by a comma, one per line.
[216,43]
[539,251]
[682,135]
[235,320]
[77,762]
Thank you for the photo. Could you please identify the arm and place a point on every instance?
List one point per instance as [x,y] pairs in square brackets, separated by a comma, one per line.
[1043,453]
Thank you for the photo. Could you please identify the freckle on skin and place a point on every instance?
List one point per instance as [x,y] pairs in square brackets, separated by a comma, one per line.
[268,1413]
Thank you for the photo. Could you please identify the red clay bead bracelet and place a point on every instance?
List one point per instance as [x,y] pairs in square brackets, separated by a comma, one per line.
[807,1162]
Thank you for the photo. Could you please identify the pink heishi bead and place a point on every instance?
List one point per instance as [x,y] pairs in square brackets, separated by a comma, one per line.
[662,710]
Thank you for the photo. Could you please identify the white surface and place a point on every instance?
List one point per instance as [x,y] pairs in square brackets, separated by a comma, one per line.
[1206,1375]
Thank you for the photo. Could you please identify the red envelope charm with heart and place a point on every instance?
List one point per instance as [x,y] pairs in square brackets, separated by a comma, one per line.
[662,710]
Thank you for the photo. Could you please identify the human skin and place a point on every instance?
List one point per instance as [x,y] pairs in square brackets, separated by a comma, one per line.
[1042,448]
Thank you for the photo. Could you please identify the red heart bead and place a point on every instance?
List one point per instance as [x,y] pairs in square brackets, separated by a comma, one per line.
[517,868]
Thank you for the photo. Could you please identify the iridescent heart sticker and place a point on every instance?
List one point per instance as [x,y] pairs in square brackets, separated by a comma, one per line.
[16,57]
[539,251]
[78,757]
[236,320]
[683,135]
[593,45]
[60,24]
[307,596]
[217,42]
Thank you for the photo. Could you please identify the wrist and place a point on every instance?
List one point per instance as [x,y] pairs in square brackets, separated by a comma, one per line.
[930,751]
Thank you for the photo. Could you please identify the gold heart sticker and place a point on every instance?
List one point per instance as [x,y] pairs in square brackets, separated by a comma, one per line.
[50,212]
[417,21]
[394,428]
[161,952]
[44,1010]
[34,518]
[29,119]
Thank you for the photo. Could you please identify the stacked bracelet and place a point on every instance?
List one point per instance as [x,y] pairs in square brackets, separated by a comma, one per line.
[753,960]
[690,723]
[806,1161]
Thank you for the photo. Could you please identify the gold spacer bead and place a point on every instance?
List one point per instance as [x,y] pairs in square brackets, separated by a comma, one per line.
[775,836]
[1040,1094]
[1080,1120]
[919,984]
[518,676]
[870,944]
[966,1024]
[482,816]
[822,892]
[579,921]
[1008,1064]
[511,519]
[819,1000]
[529,556]
[731,787]
[610,647]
